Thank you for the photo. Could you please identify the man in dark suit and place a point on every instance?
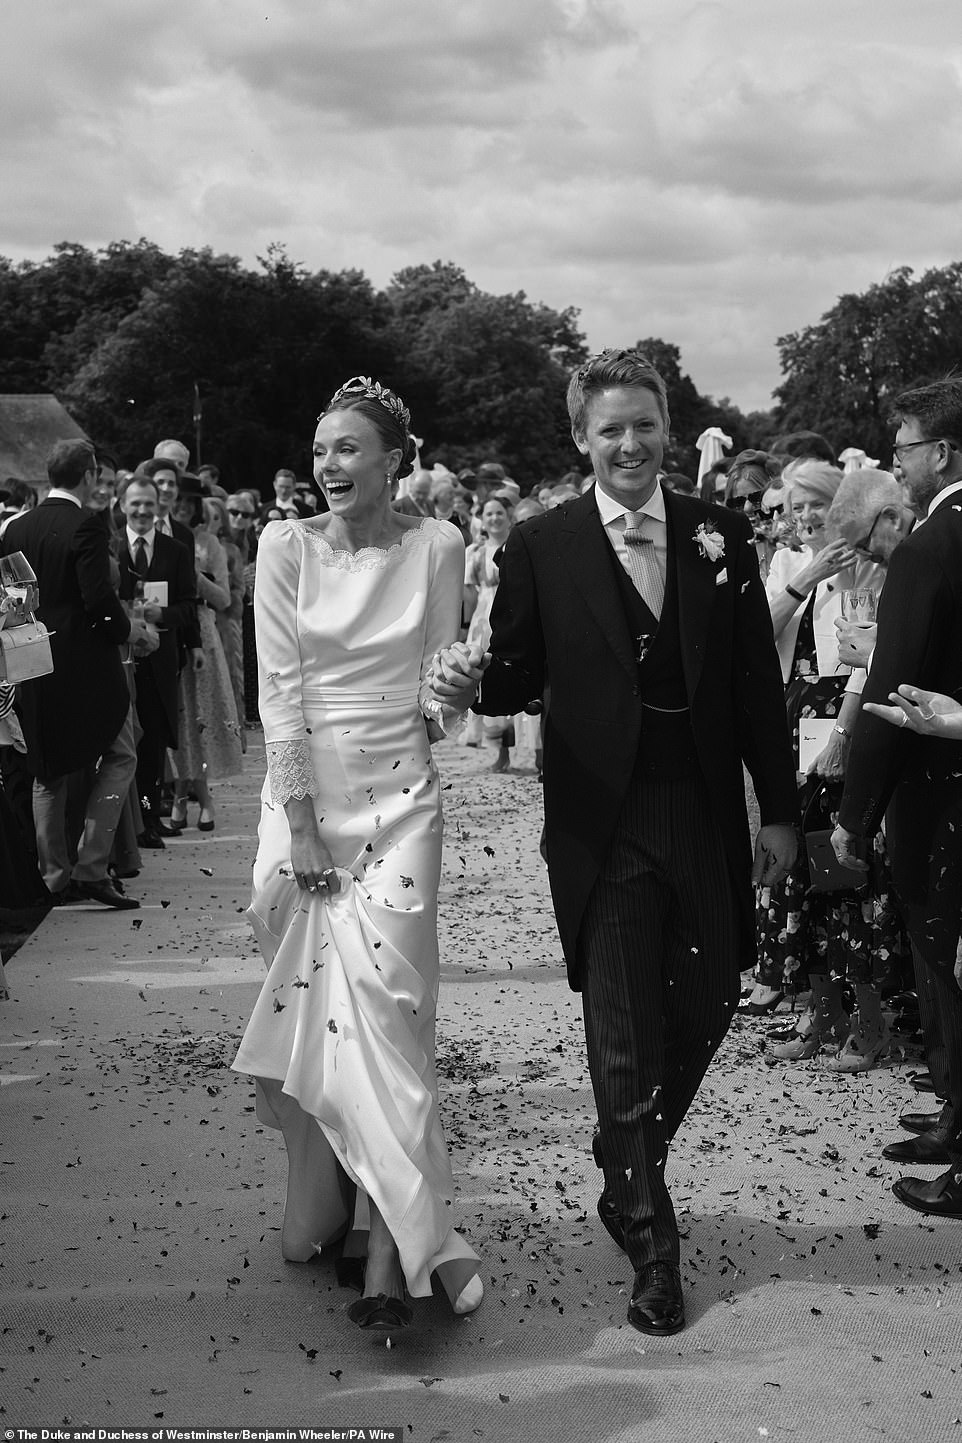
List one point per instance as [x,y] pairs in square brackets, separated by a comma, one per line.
[81,712]
[148,560]
[915,781]
[417,500]
[645,612]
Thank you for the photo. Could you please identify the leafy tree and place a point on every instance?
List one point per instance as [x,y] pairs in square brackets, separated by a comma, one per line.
[691,413]
[485,375]
[52,314]
[266,349]
[842,375]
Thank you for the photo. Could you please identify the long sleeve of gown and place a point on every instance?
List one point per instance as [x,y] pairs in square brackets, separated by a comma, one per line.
[279,664]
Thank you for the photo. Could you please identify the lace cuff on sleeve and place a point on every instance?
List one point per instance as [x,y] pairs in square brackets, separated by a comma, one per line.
[290,771]
[448,721]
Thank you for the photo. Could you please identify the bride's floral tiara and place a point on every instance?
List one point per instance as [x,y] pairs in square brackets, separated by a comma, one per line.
[373,391]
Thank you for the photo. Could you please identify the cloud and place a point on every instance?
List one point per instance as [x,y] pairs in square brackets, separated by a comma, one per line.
[713,173]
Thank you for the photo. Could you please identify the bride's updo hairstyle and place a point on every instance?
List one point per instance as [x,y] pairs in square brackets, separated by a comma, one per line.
[386,412]
[613,368]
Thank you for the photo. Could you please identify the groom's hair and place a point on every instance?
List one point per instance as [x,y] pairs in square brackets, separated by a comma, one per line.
[613,368]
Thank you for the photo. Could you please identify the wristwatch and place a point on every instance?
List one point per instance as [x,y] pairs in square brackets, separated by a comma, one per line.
[843,731]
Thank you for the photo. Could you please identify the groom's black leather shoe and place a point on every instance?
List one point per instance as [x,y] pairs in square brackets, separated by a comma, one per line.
[657,1305]
[941,1198]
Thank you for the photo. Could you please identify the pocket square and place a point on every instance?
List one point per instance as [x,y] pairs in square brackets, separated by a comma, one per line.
[722,576]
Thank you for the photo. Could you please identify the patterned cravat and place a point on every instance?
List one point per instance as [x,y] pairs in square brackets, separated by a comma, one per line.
[643,563]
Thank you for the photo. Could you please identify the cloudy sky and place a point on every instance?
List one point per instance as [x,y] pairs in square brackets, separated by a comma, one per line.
[715,174]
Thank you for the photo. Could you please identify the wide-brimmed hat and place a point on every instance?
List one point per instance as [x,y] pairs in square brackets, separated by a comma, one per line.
[147,470]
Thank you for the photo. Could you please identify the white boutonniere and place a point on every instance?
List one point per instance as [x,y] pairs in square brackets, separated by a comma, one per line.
[711,543]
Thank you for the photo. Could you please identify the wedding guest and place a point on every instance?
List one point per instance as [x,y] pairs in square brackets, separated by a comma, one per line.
[417,501]
[208,733]
[750,476]
[443,505]
[230,621]
[22,885]
[613,596]
[68,548]
[808,936]
[802,446]
[286,502]
[151,560]
[480,586]
[175,451]
[910,776]
[125,859]
[21,498]
[351,607]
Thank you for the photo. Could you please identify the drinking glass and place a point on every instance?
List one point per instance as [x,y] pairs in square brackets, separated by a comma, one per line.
[859,606]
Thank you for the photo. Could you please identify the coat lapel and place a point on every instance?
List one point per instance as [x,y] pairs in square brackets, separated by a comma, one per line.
[588,558]
[696,584]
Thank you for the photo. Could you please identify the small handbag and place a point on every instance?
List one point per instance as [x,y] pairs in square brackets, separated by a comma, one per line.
[24,651]
[826,872]
[24,641]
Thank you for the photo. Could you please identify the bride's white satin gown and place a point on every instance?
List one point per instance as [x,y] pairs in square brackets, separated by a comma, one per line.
[345,1020]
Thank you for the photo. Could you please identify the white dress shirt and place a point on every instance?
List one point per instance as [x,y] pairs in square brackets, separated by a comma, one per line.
[133,537]
[615,516]
[59,493]
[944,495]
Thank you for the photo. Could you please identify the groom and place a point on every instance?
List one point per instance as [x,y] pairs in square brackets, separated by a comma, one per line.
[644,610]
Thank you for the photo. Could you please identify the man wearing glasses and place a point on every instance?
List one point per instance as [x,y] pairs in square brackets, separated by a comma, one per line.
[916,780]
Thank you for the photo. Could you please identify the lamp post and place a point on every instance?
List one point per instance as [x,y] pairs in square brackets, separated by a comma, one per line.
[198,419]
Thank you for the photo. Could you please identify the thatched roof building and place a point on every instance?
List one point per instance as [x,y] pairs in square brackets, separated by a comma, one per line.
[30,427]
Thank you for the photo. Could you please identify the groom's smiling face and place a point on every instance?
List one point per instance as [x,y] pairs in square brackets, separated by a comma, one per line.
[624,436]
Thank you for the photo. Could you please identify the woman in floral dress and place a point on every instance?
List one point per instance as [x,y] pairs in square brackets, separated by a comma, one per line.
[807,936]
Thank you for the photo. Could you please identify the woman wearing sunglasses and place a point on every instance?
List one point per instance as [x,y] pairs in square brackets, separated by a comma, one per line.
[751,475]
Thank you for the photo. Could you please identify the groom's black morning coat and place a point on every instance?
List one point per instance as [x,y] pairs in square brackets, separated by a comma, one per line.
[559,618]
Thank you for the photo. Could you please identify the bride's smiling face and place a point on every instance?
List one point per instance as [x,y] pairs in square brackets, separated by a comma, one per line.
[351,465]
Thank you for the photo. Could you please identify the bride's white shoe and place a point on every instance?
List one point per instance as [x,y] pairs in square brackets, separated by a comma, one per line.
[469,1297]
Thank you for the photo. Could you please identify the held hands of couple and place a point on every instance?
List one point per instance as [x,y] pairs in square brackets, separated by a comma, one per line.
[456,672]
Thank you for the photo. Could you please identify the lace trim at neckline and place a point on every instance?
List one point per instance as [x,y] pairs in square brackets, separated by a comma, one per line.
[369,558]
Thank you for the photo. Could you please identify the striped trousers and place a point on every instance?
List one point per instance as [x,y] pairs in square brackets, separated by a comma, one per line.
[659,949]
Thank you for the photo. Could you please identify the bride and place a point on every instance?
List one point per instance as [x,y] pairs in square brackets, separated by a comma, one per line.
[351,608]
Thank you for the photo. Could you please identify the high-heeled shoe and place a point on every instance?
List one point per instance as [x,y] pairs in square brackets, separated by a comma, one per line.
[205,823]
[802,1028]
[762,1001]
[857,1054]
[829,1025]
[381,1313]
[454,1274]
[177,820]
